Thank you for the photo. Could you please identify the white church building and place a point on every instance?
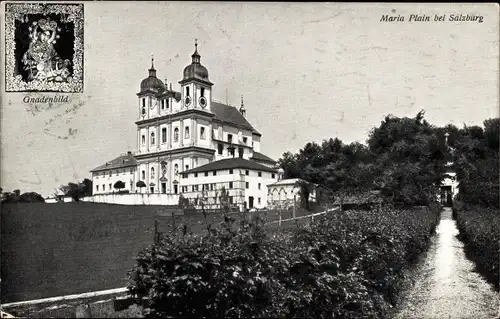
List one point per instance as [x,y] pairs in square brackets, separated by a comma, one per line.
[189,145]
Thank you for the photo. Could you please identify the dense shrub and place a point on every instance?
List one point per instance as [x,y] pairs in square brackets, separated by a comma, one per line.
[346,264]
[479,229]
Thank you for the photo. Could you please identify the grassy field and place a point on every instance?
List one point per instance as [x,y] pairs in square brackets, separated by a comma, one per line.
[69,248]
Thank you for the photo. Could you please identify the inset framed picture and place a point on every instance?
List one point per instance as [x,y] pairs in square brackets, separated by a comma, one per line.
[44,47]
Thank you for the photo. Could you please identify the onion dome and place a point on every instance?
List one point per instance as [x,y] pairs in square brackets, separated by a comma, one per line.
[196,71]
[152,83]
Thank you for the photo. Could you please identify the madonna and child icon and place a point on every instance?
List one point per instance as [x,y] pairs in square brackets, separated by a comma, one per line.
[41,60]
[44,47]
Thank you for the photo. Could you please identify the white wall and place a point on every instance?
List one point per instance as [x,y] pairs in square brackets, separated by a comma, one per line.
[134,199]
[256,143]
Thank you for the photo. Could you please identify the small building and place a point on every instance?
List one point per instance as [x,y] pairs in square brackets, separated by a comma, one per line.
[449,186]
[123,168]
[244,180]
[286,192]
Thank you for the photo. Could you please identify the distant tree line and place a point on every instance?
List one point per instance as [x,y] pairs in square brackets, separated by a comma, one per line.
[16,196]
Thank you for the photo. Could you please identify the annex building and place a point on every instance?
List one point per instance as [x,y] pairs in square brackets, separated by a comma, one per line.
[190,145]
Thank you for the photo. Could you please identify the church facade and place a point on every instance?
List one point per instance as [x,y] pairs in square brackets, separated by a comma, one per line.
[181,134]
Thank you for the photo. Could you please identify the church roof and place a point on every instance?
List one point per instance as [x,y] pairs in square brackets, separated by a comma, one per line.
[231,115]
[230,163]
[261,157]
[119,162]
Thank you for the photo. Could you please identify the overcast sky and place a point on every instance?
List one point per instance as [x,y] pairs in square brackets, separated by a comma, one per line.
[307,71]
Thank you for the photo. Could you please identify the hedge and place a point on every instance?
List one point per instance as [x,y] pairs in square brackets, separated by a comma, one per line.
[479,229]
[347,264]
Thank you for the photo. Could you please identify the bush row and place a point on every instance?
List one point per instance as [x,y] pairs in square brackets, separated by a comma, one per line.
[479,230]
[345,264]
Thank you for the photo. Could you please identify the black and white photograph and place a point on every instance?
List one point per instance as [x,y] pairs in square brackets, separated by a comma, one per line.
[249,160]
[44,47]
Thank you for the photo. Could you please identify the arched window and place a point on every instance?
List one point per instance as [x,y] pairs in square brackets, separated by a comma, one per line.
[186,133]
[152,138]
[152,172]
[176,169]
[176,134]
[143,139]
[202,133]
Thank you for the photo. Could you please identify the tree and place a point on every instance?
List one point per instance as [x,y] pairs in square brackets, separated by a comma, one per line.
[341,168]
[411,160]
[86,186]
[31,197]
[74,191]
[119,185]
[477,164]
[77,190]
[140,184]
[289,163]
[305,190]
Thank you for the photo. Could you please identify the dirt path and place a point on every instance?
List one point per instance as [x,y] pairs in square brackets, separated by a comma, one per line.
[445,284]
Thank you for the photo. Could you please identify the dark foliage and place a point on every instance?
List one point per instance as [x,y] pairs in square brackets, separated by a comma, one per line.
[77,190]
[404,158]
[346,266]
[476,150]
[16,196]
[31,197]
[119,185]
[140,184]
[479,229]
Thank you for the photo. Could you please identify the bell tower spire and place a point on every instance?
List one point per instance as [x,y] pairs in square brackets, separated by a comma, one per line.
[196,56]
[152,71]
[243,111]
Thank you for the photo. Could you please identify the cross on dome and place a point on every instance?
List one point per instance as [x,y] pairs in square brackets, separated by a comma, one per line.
[196,56]
[152,61]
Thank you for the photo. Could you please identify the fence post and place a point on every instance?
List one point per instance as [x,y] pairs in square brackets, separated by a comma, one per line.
[294,205]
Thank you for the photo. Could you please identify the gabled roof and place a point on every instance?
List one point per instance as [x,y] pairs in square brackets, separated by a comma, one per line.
[231,115]
[230,163]
[261,157]
[121,161]
[289,181]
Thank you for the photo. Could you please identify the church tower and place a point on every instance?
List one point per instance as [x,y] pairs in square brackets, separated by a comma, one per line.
[150,88]
[196,88]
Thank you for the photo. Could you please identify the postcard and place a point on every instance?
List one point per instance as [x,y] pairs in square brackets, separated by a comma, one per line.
[330,153]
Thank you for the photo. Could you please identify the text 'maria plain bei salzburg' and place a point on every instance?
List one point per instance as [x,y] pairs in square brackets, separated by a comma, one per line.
[429,18]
